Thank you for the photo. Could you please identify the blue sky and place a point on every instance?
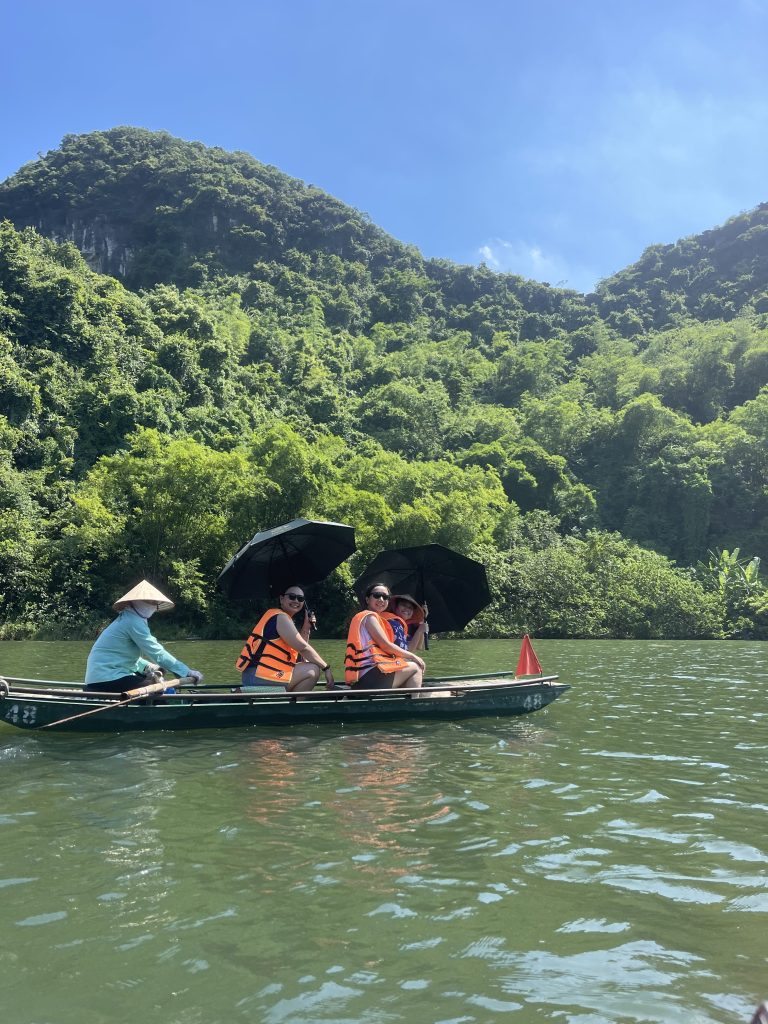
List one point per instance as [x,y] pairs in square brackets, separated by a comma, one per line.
[551,138]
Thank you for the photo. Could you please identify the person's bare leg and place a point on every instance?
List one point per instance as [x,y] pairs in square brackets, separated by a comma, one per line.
[304,677]
[410,676]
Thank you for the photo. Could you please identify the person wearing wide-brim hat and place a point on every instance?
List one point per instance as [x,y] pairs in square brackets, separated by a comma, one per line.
[126,649]
[377,657]
[415,617]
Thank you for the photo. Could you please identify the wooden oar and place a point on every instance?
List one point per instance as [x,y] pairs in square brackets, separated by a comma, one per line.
[131,695]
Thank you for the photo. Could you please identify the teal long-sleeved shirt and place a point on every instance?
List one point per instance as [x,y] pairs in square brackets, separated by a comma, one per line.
[122,648]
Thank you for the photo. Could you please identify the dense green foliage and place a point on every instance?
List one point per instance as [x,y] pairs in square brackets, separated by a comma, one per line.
[717,275]
[262,351]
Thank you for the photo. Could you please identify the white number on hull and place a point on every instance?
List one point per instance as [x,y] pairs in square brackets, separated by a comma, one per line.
[24,714]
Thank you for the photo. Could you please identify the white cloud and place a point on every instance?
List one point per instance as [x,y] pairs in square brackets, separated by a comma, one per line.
[532,261]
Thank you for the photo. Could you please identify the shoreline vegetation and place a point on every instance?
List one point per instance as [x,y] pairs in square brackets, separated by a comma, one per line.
[194,347]
[635,595]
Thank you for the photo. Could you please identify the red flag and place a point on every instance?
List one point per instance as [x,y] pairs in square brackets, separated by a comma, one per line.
[527,664]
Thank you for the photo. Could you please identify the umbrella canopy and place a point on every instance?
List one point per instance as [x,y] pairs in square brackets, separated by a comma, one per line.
[302,551]
[455,587]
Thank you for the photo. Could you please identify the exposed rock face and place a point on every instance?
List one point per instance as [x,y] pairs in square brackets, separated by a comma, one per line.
[101,244]
[146,207]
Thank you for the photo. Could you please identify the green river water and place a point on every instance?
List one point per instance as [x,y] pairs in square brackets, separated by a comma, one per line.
[602,860]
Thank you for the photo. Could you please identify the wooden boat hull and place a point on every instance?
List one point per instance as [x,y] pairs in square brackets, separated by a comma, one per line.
[55,710]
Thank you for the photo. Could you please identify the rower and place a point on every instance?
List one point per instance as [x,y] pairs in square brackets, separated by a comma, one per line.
[126,651]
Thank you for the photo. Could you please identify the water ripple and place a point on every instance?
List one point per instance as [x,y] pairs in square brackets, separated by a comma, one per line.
[600,863]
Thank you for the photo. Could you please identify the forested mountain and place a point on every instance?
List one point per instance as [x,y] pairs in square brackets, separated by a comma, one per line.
[717,275]
[194,346]
[149,208]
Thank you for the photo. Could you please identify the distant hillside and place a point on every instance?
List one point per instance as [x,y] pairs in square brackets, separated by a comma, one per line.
[146,207]
[149,208]
[712,276]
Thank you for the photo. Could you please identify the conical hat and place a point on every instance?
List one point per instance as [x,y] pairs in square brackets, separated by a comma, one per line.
[144,591]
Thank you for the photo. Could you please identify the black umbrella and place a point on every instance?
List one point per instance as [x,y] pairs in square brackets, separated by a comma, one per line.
[302,551]
[455,587]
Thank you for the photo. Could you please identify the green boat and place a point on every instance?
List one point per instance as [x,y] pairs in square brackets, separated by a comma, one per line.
[44,704]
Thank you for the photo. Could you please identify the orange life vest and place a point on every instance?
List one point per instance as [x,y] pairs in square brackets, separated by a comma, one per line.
[363,652]
[265,648]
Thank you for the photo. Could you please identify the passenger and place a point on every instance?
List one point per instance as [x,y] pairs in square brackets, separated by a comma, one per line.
[398,626]
[414,616]
[374,660]
[126,650]
[270,656]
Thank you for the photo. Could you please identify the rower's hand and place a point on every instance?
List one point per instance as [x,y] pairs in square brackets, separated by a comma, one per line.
[419,661]
[195,676]
[329,683]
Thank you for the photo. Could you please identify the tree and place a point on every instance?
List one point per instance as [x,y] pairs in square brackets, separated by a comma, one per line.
[737,585]
[411,419]
[165,509]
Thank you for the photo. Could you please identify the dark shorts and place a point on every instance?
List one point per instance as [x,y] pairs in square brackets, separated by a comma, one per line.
[250,680]
[119,685]
[375,679]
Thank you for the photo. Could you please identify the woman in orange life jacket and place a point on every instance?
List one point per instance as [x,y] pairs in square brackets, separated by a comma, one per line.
[374,661]
[413,615]
[271,653]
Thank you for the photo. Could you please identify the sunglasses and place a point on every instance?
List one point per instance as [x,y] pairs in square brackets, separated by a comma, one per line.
[295,597]
[380,597]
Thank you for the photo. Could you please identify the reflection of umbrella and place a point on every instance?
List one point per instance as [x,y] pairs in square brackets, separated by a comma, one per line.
[302,551]
[455,587]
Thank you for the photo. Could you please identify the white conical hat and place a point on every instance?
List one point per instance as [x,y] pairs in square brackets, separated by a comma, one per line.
[144,591]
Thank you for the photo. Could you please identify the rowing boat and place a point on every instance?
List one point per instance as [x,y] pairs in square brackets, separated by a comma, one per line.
[44,704]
